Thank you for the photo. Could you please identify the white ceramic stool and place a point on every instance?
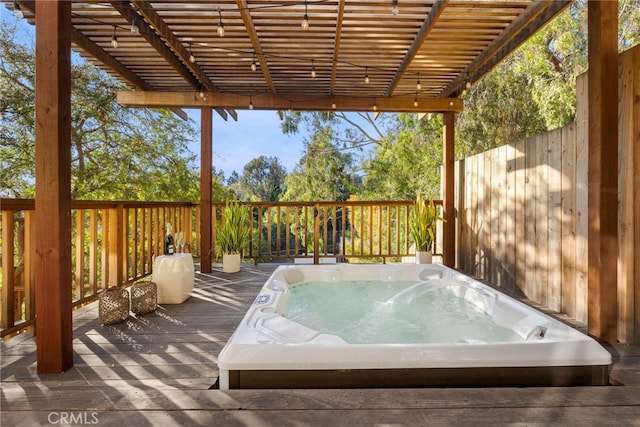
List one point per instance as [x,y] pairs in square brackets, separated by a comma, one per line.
[174,276]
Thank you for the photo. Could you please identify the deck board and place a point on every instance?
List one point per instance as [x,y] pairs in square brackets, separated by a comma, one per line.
[158,369]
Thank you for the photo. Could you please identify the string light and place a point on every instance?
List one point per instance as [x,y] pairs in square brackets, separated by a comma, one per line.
[201,89]
[220,24]
[250,103]
[415,100]
[394,7]
[254,66]
[114,39]
[468,85]
[375,105]
[135,29]
[418,84]
[192,58]
[333,105]
[305,18]
[17,11]
[313,70]
[366,75]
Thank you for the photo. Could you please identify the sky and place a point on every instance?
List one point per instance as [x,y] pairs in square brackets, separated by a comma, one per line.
[256,133]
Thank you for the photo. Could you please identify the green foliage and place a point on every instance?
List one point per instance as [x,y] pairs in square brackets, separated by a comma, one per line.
[232,233]
[423,220]
[322,173]
[262,179]
[407,161]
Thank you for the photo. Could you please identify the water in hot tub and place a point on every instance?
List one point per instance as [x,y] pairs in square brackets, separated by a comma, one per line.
[383,312]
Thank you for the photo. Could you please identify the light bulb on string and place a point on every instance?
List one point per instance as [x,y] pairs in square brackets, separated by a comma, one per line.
[17,11]
[313,70]
[254,66]
[366,75]
[114,39]
[192,58]
[220,24]
[135,29]
[305,18]
[415,100]
[418,84]
[250,103]
[394,7]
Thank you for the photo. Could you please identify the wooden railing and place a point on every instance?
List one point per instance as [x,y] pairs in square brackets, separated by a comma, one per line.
[115,243]
[374,231]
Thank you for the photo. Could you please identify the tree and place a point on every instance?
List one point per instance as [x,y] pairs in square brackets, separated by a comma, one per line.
[407,162]
[323,171]
[262,179]
[117,152]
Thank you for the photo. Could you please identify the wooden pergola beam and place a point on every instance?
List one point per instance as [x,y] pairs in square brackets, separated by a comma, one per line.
[603,169]
[418,41]
[53,276]
[336,46]
[243,8]
[516,34]
[275,102]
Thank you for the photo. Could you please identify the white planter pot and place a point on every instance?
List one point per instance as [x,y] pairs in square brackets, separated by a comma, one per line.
[423,257]
[230,263]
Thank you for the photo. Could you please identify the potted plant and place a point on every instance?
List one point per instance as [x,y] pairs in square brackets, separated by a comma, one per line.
[422,226]
[232,235]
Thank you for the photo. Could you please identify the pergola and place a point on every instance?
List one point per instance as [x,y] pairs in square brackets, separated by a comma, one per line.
[321,55]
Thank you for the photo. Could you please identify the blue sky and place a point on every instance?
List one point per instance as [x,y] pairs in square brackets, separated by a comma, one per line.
[256,133]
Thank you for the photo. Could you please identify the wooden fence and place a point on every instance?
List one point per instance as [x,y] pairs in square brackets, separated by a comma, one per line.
[522,215]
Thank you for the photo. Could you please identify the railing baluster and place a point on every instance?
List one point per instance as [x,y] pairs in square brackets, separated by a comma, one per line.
[8,269]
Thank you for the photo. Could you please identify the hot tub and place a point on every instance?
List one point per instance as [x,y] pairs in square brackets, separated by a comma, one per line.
[400,326]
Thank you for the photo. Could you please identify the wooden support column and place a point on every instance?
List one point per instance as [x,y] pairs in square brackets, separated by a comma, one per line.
[206,167]
[53,187]
[603,170]
[449,227]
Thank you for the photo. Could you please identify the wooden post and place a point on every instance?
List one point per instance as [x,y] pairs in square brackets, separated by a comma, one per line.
[206,166]
[53,187]
[603,170]
[449,227]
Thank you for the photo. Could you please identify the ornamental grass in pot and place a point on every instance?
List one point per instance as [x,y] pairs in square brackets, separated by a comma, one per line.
[232,235]
[423,221]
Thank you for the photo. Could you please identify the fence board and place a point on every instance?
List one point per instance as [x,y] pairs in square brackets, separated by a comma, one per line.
[568,222]
[509,264]
[629,201]
[520,215]
[582,203]
[554,216]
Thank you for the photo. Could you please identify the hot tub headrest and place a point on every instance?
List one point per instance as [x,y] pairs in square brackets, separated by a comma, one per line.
[293,276]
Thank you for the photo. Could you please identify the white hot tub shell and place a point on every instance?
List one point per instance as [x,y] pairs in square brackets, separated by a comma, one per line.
[268,350]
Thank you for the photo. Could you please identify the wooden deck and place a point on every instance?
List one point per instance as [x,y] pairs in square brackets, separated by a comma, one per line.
[158,369]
